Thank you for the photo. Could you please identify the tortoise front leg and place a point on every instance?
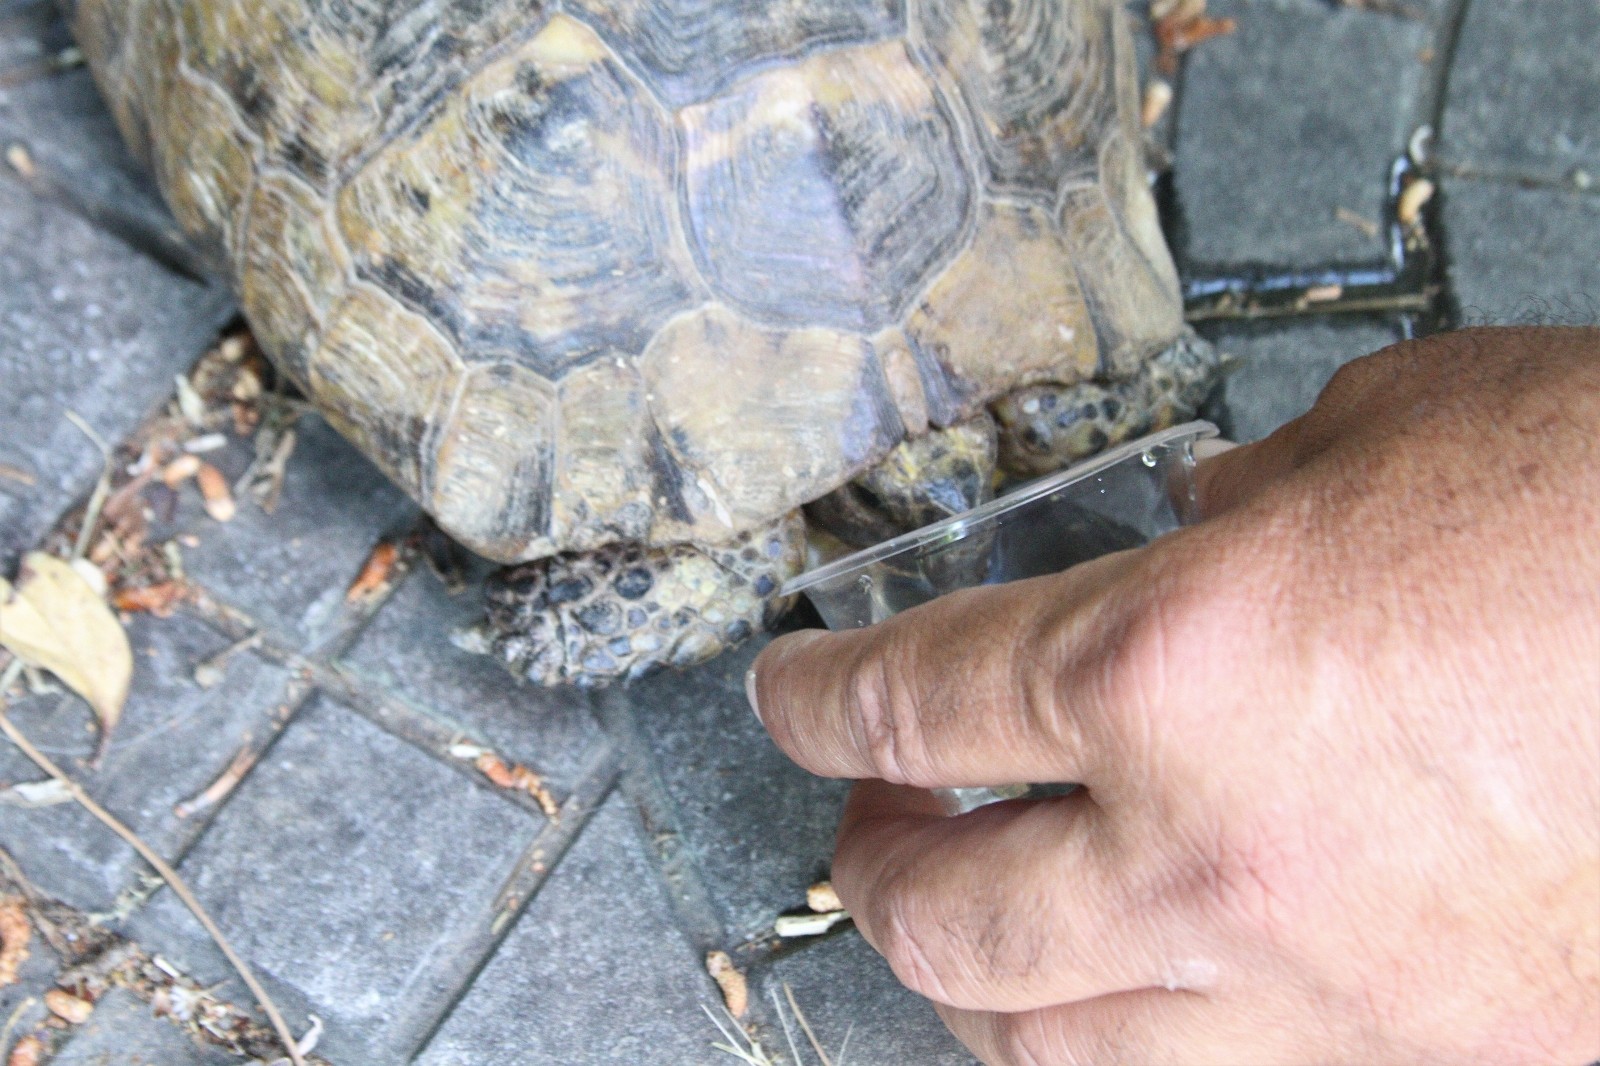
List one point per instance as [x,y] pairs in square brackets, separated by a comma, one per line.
[625,611]
[1046,427]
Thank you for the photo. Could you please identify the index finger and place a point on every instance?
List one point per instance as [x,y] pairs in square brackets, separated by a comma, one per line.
[993,685]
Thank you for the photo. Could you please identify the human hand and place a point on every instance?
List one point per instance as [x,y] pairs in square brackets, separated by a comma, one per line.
[1340,745]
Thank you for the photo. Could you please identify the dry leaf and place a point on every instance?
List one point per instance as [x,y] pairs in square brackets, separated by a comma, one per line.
[158,599]
[28,1052]
[735,991]
[53,620]
[375,573]
[180,470]
[218,498]
[822,899]
[519,779]
[74,1010]
[15,932]
[31,795]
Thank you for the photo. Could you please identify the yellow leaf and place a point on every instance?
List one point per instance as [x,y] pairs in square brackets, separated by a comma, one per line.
[55,620]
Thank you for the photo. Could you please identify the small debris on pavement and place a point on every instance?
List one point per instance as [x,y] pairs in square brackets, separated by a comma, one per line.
[32,795]
[190,403]
[209,442]
[180,470]
[376,573]
[1180,25]
[735,990]
[1361,222]
[515,778]
[218,497]
[1157,98]
[74,1010]
[224,784]
[210,671]
[159,599]
[21,161]
[1413,199]
[17,474]
[15,933]
[28,1052]
[789,926]
[822,899]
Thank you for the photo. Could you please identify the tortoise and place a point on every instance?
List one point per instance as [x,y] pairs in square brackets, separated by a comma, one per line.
[629,294]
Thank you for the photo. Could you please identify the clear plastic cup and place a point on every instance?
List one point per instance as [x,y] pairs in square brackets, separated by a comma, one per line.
[1123,498]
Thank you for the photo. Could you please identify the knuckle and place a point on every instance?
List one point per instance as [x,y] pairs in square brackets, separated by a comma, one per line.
[883,708]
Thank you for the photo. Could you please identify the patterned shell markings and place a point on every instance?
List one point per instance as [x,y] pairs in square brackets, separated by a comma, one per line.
[534,265]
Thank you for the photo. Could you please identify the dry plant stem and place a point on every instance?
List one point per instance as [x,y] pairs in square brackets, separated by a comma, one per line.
[799,1016]
[102,488]
[168,874]
[16,1016]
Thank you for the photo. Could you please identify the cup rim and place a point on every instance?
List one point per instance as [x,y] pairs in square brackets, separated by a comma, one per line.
[1021,496]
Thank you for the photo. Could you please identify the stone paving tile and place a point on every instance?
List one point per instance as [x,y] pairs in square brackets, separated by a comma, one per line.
[405,652]
[35,977]
[88,326]
[1524,97]
[1282,369]
[174,739]
[1298,114]
[123,1032]
[1523,255]
[593,972]
[759,828]
[67,132]
[32,32]
[289,570]
[348,869]
[845,988]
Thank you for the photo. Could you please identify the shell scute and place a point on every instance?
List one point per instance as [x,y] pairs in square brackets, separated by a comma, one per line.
[1009,311]
[293,266]
[795,413]
[687,50]
[494,462]
[826,192]
[531,215]
[1037,76]
[384,377]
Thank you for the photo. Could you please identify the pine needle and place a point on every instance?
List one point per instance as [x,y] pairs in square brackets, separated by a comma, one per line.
[816,1045]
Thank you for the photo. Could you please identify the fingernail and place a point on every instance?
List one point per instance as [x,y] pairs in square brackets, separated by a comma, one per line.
[1212,446]
[750,694]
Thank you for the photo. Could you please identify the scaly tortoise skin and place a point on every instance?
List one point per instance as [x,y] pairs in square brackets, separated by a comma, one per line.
[615,289]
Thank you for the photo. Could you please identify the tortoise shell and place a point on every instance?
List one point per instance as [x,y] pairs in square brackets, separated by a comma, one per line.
[651,270]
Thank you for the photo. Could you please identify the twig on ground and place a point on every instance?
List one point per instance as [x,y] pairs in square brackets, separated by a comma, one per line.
[16,1016]
[102,488]
[167,873]
[17,474]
